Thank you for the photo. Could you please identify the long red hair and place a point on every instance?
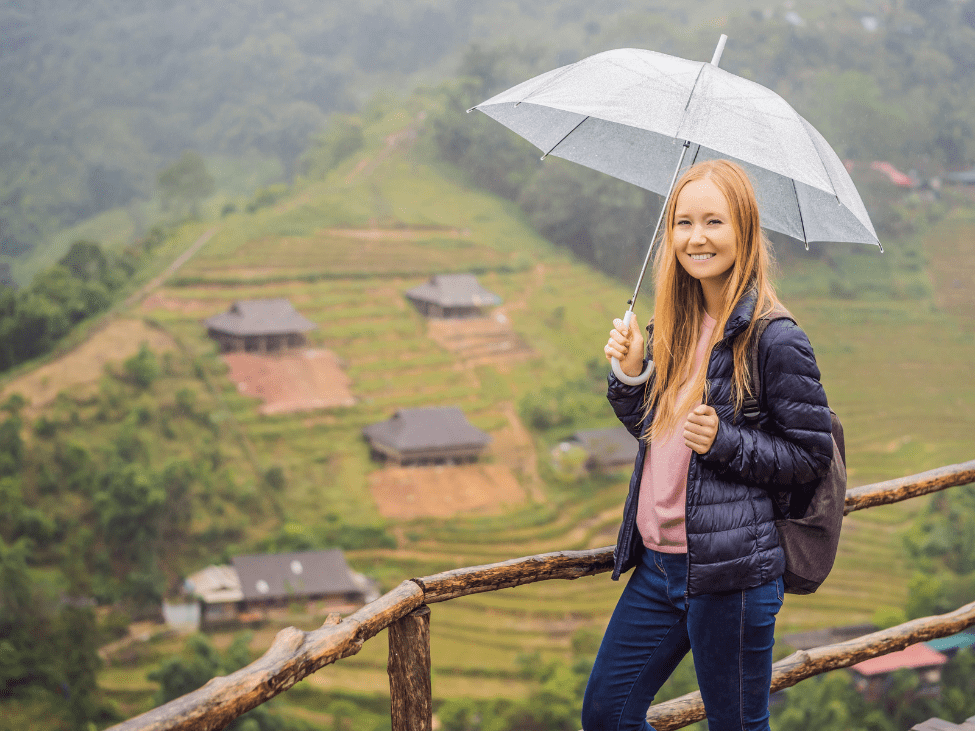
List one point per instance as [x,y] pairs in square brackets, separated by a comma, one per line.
[679,306]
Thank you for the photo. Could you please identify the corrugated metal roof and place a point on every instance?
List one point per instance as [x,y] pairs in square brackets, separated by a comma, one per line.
[914,656]
[215,585]
[936,724]
[307,573]
[428,428]
[454,290]
[260,317]
[955,642]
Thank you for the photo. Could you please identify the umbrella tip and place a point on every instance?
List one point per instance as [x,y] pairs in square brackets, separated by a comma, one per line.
[881,247]
[716,58]
[471,110]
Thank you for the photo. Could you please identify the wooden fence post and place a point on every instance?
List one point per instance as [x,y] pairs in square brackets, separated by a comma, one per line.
[411,697]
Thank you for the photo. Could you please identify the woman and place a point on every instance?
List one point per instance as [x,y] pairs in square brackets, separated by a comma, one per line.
[699,521]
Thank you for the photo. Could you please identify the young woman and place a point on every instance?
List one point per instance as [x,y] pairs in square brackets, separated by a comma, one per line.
[699,522]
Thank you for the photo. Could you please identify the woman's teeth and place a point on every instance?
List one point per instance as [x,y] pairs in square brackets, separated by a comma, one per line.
[701,257]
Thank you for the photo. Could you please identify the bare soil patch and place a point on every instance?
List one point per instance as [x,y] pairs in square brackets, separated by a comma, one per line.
[298,380]
[480,340]
[118,340]
[413,492]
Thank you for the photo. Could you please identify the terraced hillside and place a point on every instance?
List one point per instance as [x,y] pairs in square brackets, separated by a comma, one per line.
[343,251]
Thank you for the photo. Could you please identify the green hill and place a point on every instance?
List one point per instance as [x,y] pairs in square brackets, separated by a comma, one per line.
[220,477]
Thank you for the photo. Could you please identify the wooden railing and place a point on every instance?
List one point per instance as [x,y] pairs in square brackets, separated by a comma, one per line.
[294,654]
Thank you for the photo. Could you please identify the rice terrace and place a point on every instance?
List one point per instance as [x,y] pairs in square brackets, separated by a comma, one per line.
[261,449]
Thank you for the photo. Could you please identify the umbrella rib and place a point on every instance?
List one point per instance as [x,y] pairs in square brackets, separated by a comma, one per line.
[802,224]
[564,136]
[548,83]
[688,102]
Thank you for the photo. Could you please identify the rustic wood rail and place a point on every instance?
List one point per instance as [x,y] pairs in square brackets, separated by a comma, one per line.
[294,654]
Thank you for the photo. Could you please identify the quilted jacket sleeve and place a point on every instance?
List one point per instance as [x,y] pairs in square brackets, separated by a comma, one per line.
[627,402]
[794,445]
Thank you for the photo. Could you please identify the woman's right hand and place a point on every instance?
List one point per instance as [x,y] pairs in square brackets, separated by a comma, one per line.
[626,345]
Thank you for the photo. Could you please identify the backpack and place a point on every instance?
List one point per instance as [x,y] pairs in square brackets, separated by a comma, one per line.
[809,542]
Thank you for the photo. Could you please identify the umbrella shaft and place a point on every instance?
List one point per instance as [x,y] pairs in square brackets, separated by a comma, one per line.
[656,230]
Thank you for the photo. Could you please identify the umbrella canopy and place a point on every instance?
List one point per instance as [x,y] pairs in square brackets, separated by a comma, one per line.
[628,112]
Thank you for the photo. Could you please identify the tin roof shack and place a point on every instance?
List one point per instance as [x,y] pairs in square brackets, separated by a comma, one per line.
[453,296]
[872,677]
[937,724]
[217,588]
[259,326]
[439,435]
[268,580]
[606,449]
[950,646]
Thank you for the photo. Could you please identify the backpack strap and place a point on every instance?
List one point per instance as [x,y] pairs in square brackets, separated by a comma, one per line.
[750,405]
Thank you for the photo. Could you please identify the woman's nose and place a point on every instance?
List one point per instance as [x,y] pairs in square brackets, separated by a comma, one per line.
[697,235]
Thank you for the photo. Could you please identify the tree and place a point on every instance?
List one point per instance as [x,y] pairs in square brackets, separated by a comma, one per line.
[185,183]
[183,674]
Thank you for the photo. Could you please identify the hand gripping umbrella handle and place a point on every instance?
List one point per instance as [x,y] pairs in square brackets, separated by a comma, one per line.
[618,372]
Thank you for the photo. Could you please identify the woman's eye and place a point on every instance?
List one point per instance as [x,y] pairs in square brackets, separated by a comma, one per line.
[683,223]
[715,220]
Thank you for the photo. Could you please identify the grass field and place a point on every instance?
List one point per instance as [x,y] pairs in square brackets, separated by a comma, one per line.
[343,250]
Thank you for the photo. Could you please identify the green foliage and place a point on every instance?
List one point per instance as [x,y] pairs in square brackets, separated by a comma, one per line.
[81,285]
[185,183]
[201,661]
[266,197]
[564,406]
[332,532]
[341,139]
[143,367]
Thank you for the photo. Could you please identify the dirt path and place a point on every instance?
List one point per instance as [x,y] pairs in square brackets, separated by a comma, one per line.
[172,268]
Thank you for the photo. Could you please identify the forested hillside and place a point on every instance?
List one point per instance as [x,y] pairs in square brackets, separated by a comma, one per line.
[98,98]
[132,453]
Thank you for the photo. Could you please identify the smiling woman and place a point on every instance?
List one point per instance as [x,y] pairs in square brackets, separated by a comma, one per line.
[699,525]
[705,240]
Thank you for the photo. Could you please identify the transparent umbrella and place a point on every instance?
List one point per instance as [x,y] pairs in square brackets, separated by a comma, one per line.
[636,114]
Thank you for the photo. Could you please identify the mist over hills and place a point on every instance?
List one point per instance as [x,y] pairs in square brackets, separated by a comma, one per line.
[98,97]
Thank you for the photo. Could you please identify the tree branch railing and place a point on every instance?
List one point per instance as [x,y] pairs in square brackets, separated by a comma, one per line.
[295,654]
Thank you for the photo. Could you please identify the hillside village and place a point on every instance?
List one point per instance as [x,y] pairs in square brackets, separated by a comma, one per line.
[386,373]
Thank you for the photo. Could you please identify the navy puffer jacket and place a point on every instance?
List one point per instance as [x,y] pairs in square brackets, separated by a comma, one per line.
[732,542]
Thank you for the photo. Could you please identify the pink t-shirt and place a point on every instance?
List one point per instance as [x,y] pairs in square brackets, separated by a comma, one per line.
[663,485]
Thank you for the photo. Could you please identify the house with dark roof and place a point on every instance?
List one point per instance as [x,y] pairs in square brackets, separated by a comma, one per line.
[606,449]
[452,295]
[440,435]
[279,578]
[232,594]
[259,326]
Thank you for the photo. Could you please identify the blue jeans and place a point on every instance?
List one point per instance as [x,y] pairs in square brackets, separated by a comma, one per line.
[655,625]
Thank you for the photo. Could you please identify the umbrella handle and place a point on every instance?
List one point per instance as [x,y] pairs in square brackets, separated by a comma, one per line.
[618,372]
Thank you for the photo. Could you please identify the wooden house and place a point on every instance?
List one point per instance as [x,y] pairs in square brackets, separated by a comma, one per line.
[426,436]
[452,296]
[259,326]
[217,590]
[230,594]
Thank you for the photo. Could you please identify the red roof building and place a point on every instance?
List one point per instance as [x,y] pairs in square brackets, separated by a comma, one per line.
[872,676]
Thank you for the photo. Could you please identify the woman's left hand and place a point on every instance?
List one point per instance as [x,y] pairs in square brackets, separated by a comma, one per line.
[701,428]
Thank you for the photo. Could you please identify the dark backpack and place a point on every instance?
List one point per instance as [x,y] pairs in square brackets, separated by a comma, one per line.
[809,542]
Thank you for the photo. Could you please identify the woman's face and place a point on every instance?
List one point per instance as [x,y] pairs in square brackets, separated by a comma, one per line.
[705,242]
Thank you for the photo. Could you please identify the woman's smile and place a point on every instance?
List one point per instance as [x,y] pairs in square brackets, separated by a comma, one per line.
[705,239]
